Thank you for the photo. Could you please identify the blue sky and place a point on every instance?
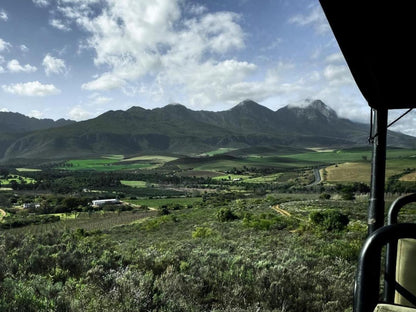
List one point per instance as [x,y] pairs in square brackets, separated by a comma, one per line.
[79,58]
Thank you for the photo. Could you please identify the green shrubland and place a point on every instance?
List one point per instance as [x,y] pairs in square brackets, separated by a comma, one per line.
[232,255]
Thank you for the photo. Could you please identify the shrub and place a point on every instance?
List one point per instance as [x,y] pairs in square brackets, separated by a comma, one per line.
[202,232]
[329,220]
[325,196]
[265,221]
[226,214]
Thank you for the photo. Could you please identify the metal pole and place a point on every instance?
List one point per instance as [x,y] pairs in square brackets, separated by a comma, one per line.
[378,172]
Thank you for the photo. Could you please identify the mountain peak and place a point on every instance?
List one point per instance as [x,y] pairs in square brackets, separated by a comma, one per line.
[249,105]
[324,109]
[313,107]
[248,102]
[175,106]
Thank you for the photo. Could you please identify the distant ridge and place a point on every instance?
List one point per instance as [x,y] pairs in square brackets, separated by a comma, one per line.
[16,122]
[177,129]
[15,125]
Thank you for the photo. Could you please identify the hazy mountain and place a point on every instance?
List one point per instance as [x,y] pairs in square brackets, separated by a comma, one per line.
[15,125]
[18,123]
[176,129]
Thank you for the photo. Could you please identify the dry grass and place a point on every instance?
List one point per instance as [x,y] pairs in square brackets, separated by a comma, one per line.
[349,172]
[410,177]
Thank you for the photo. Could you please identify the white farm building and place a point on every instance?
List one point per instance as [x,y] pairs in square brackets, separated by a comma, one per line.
[101,202]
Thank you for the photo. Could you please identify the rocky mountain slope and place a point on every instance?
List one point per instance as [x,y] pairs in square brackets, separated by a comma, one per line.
[176,129]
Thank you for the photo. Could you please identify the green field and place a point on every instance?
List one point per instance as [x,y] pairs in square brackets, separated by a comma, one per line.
[103,164]
[221,150]
[17,178]
[27,170]
[117,162]
[151,158]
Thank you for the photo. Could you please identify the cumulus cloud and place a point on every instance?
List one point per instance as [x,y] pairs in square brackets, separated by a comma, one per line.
[53,65]
[3,16]
[14,67]
[78,113]
[4,45]
[34,88]
[152,46]
[104,82]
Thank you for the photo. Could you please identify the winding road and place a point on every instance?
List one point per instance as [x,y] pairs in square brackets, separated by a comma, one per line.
[317,175]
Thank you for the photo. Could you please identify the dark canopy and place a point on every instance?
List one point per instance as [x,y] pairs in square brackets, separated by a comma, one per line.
[377,40]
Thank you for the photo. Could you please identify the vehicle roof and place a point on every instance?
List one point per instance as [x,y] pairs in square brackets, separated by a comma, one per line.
[376,38]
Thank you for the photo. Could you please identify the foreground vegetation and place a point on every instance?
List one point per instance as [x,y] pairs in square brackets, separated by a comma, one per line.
[224,232]
[236,256]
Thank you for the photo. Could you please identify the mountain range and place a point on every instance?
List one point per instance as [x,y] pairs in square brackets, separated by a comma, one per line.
[177,129]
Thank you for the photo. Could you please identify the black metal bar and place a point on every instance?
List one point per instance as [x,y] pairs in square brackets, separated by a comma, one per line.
[391,251]
[398,204]
[367,282]
[378,172]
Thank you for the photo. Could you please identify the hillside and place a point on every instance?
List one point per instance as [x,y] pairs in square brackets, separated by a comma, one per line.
[176,129]
[15,125]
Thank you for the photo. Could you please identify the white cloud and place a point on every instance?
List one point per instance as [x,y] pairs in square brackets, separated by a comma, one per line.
[315,18]
[14,67]
[58,24]
[36,114]
[4,45]
[2,70]
[338,74]
[34,88]
[96,98]
[78,113]
[41,3]
[53,65]
[335,58]
[3,16]
[24,48]
[4,110]
[406,124]
[105,82]
[152,44]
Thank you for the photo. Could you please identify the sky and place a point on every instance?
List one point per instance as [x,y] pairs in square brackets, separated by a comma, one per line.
[76,59]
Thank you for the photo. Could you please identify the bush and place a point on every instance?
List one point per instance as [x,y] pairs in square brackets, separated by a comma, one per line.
[202,232]
[226,214]
[325,196]
[329,220]
[265,221]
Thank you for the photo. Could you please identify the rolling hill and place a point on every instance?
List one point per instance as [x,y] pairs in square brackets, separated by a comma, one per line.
[177,129]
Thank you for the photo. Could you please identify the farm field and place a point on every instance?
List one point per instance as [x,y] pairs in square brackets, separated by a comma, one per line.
[102,164]
[361,171]
[15,178]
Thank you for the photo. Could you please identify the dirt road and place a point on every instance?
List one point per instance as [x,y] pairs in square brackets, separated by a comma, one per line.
[281,211]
